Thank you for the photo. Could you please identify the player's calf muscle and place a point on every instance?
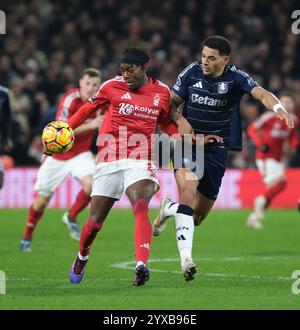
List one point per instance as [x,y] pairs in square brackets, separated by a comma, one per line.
[198,218]
[202,210]
[187,193]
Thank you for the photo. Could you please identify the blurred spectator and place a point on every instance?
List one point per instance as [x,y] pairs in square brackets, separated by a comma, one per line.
[20,107]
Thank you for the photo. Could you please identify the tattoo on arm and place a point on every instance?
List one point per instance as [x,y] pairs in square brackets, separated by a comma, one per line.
[174,113]
[176,99]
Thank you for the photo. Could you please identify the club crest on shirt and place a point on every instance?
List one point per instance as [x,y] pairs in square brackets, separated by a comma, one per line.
[222,87]
[250,81]
[156,100]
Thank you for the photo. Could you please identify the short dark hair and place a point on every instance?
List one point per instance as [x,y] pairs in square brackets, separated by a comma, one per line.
[91,72]
[135,55]
[219,43]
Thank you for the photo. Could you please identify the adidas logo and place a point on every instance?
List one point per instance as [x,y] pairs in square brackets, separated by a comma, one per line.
[126,96]
[181,238]
[198,84]
[146,246]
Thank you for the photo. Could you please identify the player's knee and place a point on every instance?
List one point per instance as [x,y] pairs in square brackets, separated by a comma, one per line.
[86,183]
[87,189]
[97,217]
[40,203]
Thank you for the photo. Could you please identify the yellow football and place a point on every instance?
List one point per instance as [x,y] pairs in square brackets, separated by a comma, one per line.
[58,137]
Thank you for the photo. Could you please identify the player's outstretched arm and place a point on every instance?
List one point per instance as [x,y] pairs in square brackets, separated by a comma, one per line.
[271,102]
[184,126]
[93,124]
[82,114]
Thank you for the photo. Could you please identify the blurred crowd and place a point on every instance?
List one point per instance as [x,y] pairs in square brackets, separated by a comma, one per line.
[48,43]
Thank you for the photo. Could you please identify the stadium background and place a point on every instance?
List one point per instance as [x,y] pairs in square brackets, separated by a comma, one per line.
[48,43]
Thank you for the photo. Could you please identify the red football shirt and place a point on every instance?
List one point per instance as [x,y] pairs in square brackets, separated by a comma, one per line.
[68,105]
[130,120]
[273,132]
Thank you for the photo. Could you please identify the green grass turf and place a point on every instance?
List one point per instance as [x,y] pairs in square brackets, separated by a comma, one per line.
[239,268]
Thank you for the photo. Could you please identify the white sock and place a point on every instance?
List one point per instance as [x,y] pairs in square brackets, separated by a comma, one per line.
[82,258]
[184,226]
[171,209]
[140,263]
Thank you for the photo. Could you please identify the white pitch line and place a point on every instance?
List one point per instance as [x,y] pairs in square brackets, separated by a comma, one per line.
[130,265]
[60,279]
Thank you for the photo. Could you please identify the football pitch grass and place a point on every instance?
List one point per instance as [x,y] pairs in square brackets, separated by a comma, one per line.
[238,268]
